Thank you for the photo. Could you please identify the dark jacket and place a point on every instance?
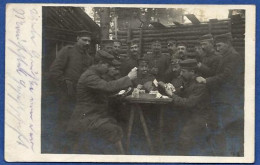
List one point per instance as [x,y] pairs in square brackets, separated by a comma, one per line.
[226,69]
[209,64]
[127,65]
[142,79]
[92,100]
[69,64]
[193,97]
[161,62]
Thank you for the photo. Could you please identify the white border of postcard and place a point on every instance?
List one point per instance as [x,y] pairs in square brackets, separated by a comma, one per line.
[23,89]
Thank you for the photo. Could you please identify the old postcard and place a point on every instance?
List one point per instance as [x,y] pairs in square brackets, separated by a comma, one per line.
[130,83]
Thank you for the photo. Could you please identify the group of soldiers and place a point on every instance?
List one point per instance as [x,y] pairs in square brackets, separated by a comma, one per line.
[85,84]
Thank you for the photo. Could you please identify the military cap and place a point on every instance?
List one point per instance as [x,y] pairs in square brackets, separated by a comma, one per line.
[181,44]
[171,42]
[188,64]
[116,41]
[83,33]
[115,63]
[104,56]
[223,38]
[134,41]
[207,37]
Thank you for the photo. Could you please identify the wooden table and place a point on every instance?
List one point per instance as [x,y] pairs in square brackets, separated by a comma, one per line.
[135,106]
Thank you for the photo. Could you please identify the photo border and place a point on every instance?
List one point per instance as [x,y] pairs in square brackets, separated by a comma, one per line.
[197,2]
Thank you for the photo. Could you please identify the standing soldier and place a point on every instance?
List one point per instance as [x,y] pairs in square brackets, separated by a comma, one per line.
[158,63]
[91,113]
[132,61]
[224,87]
[181,51]
[210,60]
[116,49]
[65,71]
[172,47]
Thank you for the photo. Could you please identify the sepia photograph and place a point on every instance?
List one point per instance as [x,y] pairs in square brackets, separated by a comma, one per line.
[130,83]
[143,81]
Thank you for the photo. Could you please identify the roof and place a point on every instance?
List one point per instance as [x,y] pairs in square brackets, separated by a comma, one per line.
[62,23]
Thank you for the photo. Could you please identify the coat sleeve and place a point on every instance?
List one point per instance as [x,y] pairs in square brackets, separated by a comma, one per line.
[209,70]
[58,66]
[95,82]
[196,96]
[219,78]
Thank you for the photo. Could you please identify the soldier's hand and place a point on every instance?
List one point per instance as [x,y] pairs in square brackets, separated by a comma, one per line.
[70,88]
[169,91]
[139,86]
[161,84]
[199,64]
[201,80]
[133,74]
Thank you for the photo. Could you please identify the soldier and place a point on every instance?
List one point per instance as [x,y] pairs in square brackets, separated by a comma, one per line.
[225,92]
[91,113]
[65,71]
[210,60]
[181,51]
[133,58]
[192,102]
[172,47]
[157,62]
[107,45]
[116,49]
[143,75]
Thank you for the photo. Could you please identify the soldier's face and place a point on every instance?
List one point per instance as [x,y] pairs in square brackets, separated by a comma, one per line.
[222,47]
[103,68]
[134,49]
[112,71]
[84,42]
[116,46]
[108,48]
[156,47]
[143,67]
[206,46]
[181,49]
[171,47]
[187,74]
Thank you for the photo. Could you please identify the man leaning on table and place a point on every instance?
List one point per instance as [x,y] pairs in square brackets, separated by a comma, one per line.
[192,102]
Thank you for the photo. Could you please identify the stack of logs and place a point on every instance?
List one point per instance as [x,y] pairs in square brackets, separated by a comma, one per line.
[187,33]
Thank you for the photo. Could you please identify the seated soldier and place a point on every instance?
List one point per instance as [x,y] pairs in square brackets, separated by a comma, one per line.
[193,105]
[91,113]
[143,75]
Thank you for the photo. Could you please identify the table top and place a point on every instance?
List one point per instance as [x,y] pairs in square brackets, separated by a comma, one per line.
[148,99]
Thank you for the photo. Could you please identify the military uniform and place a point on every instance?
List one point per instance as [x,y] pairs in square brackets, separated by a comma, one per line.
[91,112]
[127,65]
[209,64]
[161,62]
[69,64]
[192,103]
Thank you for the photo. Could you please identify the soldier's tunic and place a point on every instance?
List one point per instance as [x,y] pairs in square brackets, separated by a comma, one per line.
[161,62]
[192,103]
[143,78]
[229,100]
[91,112]
[209,64]
[127,65]
[69,64]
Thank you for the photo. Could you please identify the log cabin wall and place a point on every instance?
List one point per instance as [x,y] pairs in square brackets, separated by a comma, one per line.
[188,33]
